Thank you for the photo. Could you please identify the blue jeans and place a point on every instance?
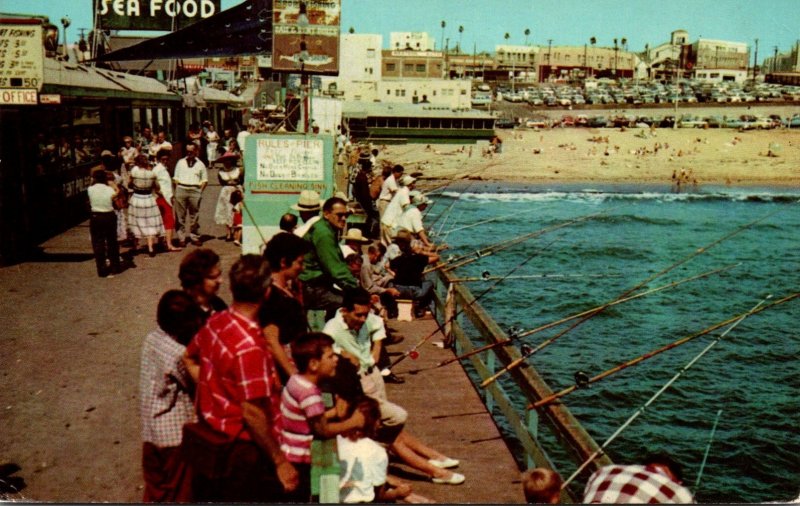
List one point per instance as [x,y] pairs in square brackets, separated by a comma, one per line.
[422,295]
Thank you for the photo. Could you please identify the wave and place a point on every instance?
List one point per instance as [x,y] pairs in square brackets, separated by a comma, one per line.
[591,196]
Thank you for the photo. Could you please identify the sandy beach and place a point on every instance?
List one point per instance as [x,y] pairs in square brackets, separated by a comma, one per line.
[613,155]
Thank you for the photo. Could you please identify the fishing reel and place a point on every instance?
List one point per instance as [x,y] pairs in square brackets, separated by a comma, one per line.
[486,275]
[581,379]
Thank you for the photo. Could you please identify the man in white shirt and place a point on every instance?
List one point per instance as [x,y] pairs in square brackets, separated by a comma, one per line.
[309,206]
[411,220]
[191,178]
[395,208]
[389,188]
[241,137]
[103,223]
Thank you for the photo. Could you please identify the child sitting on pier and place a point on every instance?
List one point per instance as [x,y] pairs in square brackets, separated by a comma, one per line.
[541,486]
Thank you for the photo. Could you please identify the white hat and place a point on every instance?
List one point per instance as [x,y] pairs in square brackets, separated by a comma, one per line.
[418,198]
[309,201]
[355,234]
[406,180]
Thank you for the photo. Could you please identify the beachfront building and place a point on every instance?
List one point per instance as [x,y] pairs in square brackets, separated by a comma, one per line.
[783,62]
[516,63]
[478,66]
[566,63]
[716,61]
[664,60]
[405,63]
[415,41]
[367,73]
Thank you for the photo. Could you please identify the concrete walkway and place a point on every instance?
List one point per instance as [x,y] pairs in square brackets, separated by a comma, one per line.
[69,359]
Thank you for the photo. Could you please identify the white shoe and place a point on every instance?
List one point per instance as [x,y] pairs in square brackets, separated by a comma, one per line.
[445,463]
[454,479]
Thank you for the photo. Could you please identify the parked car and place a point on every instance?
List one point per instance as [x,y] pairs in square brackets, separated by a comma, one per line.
[714,121]
[536,123]
[581,120]
[761,123]
[690,121]
[793,122]
[505,123]
[667,122]
[597,122]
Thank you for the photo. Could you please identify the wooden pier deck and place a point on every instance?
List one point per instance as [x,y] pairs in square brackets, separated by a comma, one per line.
[69,356]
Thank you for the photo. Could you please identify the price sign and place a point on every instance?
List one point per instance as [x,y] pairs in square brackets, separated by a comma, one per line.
[21,55]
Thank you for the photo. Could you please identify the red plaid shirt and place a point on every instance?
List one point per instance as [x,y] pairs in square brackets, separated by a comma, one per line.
[235,366]
[634,485]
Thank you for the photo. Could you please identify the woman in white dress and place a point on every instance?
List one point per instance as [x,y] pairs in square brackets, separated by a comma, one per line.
[230,177]
[144,217]
[212,138]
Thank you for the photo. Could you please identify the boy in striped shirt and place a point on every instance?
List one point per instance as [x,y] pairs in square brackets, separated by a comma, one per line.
[303,411]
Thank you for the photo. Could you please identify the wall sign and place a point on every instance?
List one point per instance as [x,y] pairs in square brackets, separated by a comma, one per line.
[153,14]
[306,36]
[277,168]
[21,54]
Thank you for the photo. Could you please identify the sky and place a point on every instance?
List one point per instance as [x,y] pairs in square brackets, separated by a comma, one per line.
[566,22]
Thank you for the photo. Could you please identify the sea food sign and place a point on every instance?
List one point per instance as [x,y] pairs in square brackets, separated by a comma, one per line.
[162,15]
[306,36]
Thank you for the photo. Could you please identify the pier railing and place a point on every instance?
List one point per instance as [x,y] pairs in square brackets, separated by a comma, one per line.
[473,323]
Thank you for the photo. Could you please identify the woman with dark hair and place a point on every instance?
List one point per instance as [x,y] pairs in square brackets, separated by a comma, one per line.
[143,213]
[282,316]
[201,276]
[165,398]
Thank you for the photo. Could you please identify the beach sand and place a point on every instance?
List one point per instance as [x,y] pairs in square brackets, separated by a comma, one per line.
[569,155]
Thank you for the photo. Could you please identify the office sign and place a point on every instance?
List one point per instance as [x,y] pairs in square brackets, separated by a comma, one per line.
[277,168]
[18,97]
[21,54]
[306,36]
[162,15]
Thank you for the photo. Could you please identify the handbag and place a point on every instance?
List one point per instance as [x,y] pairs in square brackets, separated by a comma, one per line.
[207,450]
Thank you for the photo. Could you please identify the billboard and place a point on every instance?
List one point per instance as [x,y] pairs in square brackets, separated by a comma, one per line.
[162,15]
[306,36]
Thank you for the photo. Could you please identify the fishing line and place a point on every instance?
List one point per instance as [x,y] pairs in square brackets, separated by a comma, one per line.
[584,381]
[734,322]
[705,455]
[600,309]
[440,327]
[519,335]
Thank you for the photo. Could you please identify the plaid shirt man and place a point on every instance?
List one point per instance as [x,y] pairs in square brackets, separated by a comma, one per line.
[235,366]
[634,485]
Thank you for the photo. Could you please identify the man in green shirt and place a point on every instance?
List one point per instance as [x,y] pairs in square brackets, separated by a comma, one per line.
[324,265]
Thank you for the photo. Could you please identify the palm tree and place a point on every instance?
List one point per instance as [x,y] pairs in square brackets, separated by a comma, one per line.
[593,40]
[616,49]
[460,31]
[527,32]
[351,30]
[443,25]
[624,42]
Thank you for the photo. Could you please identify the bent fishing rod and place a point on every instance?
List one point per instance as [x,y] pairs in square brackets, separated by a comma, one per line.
[600,309]
[582,380]
[733,323]
[440,327]
[468,258]
[516,336]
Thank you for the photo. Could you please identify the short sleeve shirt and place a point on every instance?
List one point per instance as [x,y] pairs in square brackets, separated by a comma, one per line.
[100,198]
[357,344]
[235,366]
[411,220]
[301,400]
[634,485]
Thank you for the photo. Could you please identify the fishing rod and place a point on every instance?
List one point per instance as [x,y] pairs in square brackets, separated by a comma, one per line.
[468,258]
[487,277]
[600,309]
[582,380]
[546,326]
[488,220]
[734,322]
[705,455]
[440,327]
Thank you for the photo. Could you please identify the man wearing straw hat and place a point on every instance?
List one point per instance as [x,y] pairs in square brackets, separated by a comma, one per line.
[308,205]
[353,241]
[411,220]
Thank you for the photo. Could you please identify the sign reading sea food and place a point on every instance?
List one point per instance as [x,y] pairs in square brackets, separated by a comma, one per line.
[163,15]
[21,56]
[306,36]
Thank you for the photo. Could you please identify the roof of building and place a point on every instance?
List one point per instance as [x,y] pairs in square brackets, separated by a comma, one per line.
[61,74]
[365,109]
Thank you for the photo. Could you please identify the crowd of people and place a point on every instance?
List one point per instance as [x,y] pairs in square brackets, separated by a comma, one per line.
[138,199]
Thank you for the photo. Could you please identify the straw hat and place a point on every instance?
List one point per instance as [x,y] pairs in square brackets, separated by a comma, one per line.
[354,234]
[309,201]
[106,153]
[227,156]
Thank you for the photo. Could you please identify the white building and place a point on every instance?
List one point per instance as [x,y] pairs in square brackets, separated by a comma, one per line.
[360,79]
[418,41]
[719,60]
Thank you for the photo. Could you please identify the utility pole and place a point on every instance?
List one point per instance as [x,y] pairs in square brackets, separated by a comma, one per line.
[755,62]
[775,60]
[549,49]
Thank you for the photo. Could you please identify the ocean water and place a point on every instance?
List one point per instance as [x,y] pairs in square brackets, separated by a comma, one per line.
[752,374]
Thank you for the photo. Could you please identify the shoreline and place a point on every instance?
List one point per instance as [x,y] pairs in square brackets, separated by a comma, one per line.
[718,158]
